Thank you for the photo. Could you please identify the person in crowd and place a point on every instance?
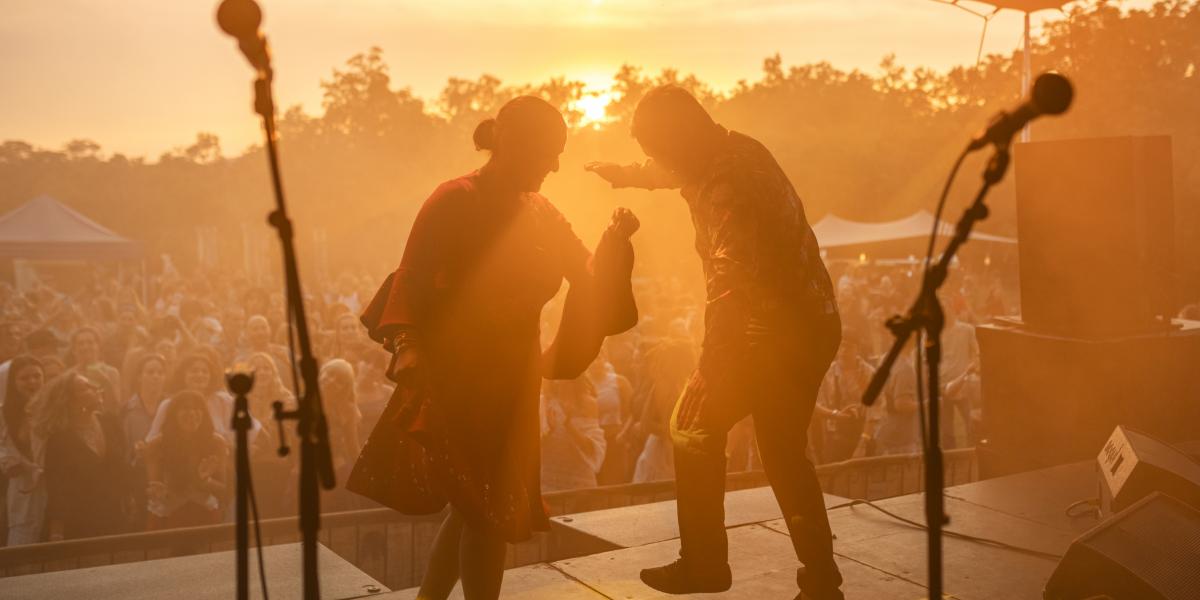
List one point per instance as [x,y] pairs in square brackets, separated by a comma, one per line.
[256,301]
[573,443]
[209,332]
[277,321]
[233,320]
[86,465]
[64,318]
[373,388]
[840,417]
[960,363]
[41,344]
[10,340]
[168,350]
[272,473]
[186,466]
[53,366]
[127,335]
[341,412]
[772,330]
[898,431]
[149,382]
[85,358]
[462,314]
[340,399]
[198,372]
[347,294]
[614,402]
[347,340]
[669,364]
[268,388]
[258,339]
[26,494]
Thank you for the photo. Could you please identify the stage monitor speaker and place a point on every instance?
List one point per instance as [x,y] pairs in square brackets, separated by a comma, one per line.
[1146,552]
[1095,223]
[1134,465]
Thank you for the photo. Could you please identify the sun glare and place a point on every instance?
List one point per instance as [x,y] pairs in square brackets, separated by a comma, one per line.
[593,105]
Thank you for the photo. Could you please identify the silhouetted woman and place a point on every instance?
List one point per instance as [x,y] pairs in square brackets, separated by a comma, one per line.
[461,315]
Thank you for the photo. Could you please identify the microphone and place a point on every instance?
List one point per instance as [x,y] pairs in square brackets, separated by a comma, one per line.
[240,19]
[1052,94]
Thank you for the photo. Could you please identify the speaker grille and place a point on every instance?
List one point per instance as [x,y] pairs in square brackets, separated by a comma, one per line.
[1158,541]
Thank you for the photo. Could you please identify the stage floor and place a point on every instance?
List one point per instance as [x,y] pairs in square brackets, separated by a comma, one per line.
[880,558]
[197,577]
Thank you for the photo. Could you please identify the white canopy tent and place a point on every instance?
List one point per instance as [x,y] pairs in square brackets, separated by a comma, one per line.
[46,229]
[836,232]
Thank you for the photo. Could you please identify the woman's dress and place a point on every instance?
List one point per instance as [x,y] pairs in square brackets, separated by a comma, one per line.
[479,266]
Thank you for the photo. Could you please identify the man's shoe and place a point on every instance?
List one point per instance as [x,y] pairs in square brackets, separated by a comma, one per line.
[679,578]
[834,595]
[811,589]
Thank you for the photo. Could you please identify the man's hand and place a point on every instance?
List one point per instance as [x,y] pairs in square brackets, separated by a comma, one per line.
[624,222]
[610,172]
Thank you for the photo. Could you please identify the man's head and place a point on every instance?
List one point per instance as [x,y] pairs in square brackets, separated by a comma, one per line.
[675,130]
[258,332]
[42,343]
[85,345]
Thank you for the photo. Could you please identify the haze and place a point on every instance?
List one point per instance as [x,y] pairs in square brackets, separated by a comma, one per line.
[143,76]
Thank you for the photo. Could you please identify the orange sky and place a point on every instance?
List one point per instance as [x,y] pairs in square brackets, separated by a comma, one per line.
[143,76]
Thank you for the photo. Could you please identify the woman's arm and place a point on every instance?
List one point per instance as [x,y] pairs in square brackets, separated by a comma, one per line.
[600,299]
[403,300]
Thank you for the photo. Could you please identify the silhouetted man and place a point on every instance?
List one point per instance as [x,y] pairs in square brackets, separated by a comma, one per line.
[771,331]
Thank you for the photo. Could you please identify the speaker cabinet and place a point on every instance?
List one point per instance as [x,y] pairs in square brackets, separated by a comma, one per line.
[1149,551]
[1134,465]
[1095,221]
[1049,400]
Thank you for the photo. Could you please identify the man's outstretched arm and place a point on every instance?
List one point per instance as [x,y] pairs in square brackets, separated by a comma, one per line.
[648,175]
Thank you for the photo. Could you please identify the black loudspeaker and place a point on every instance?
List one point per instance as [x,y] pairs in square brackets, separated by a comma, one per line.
[1149,551]
[1049,400]
[1095,219]
[1134,465]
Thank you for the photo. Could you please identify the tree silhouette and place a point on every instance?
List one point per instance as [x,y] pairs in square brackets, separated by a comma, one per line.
[868,145]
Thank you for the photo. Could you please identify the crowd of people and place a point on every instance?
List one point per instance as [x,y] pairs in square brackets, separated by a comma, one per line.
[115,415]
[612,425]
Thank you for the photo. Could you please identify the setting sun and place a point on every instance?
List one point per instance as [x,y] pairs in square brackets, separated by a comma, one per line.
[594,107]
[518,273]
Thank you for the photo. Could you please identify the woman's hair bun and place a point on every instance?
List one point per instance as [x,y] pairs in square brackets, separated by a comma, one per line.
[485,135]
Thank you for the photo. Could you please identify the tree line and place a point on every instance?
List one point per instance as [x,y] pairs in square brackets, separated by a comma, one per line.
[864,145]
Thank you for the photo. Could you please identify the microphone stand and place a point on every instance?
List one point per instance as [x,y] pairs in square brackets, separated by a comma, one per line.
[316,461]
[241,384]
[926,315]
